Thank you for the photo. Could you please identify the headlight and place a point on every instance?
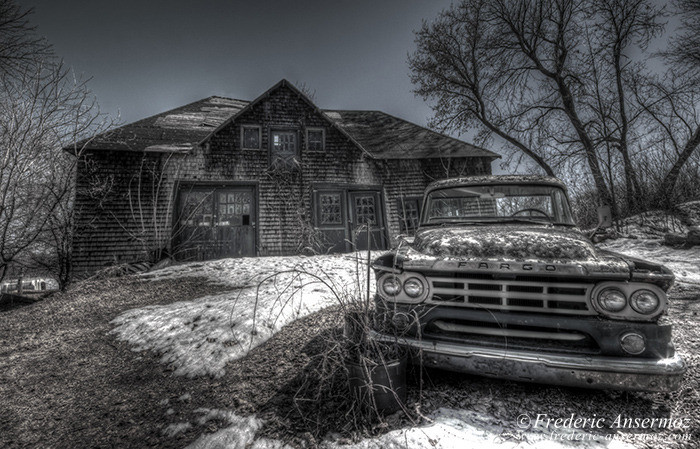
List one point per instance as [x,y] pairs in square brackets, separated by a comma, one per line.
[391,286]
[413,287]
[644,301]
[612,299]
[407,287]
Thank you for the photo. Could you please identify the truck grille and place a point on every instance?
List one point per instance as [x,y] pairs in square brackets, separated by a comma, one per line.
[523,293]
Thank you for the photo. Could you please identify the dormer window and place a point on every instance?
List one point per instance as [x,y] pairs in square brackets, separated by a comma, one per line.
[315,139]
[250,137]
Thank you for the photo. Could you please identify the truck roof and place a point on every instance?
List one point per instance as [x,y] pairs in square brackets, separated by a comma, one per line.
[496,179]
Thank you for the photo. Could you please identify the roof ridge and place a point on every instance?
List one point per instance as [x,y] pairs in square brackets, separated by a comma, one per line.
[227,98]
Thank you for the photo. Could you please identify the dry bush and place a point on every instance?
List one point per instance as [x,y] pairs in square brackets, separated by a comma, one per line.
[324,401]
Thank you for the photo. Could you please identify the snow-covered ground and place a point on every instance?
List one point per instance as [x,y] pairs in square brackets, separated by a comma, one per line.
[685,263]
[200,337]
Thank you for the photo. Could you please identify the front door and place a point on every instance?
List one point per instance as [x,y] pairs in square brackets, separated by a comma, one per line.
[366,220]
[348,219]
[214,222]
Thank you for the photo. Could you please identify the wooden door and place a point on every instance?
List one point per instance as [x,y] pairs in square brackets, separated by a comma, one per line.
[331,220]
[366,220]
[214,223]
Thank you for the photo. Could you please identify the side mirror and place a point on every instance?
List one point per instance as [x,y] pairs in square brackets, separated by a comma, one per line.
[604,217]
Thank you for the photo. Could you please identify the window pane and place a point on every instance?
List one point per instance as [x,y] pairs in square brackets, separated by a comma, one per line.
[315,140]
[251,137]
[196,208]
[409,215]
[330,208]
[364,210]
[284,147]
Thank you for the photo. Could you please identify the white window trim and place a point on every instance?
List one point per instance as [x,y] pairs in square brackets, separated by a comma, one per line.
[259,128]
[323,138]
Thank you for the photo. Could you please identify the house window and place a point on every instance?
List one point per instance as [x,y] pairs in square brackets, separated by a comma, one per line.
[283,149]
[330,209]
[315,139]
[250,137]
[409,214]
[365,210]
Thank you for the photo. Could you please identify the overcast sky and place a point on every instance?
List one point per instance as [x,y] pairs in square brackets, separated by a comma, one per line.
[146,56]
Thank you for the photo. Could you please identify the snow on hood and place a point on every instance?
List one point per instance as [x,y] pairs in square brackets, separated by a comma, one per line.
[509,242]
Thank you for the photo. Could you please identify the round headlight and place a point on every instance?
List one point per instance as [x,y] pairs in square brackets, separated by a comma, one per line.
[644,301]
[632,343]
[612,300]
[413,287]
[391,286]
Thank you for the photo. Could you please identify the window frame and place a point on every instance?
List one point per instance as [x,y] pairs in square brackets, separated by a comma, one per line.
[243,129]
[323,138]
[271,143]
[401,213]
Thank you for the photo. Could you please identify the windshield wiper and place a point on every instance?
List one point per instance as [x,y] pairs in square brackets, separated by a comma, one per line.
[526,220]
[450,223]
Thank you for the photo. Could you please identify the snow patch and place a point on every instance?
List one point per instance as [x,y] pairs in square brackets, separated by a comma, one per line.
[240,434]
[175,429]
[449,428]
[685,263]
[200,337]
[452,428]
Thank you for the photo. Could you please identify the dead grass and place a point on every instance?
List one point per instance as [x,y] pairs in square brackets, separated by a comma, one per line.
[65,383]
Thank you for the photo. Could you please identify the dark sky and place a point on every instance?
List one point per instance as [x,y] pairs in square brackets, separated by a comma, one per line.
[149,56]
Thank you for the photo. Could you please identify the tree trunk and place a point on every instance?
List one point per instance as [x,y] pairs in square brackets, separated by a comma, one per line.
[591,156]
[669,182]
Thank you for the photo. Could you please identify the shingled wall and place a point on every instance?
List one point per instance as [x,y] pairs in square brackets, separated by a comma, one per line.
[109,224]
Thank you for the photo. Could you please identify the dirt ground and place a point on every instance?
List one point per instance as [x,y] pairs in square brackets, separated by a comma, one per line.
[64,382]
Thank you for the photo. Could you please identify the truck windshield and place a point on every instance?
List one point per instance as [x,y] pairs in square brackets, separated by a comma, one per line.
[498,203]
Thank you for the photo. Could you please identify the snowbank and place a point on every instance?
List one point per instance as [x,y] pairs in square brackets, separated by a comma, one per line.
[200,337]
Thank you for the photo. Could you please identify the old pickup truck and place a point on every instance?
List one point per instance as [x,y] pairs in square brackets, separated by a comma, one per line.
[498,281]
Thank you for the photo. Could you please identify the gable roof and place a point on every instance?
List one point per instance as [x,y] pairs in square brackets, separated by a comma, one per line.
[379,135]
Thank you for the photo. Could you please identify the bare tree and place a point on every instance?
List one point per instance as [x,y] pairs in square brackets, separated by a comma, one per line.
[549,78]
[43,109]
[684,51]
[673,102]
[20,47]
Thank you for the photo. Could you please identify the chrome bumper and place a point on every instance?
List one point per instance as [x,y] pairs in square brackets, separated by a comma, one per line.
[613,373]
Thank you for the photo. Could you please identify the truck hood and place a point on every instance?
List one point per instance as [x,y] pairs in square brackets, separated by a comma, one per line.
[517,249]
[506,242]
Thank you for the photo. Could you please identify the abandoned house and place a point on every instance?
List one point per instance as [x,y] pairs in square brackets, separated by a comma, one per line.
[277,175]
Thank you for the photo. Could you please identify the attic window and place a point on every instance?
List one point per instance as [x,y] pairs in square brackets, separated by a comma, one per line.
[315,139]
[283,148]
[250,137]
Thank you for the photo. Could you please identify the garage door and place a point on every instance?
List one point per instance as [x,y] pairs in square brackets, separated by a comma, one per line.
[214,222]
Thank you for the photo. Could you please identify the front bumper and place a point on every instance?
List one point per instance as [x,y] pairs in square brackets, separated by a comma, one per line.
[602,372]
